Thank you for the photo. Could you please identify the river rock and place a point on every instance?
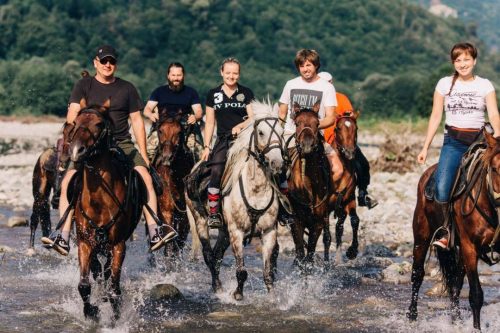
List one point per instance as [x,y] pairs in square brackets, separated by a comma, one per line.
[5,248]
[224,315]
[397,273]
[378,250]
[165,293]
[17,221]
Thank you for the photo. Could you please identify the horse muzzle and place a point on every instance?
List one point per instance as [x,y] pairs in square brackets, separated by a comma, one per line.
[348,153]
[77,152]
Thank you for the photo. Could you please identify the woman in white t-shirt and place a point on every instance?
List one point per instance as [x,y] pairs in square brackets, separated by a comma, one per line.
[464,97]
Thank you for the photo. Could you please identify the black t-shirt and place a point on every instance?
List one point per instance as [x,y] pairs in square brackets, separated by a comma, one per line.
[174,101]
[123,96]
[229,111]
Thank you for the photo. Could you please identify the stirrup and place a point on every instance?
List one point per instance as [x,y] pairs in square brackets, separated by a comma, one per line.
[214,221]
[444,240]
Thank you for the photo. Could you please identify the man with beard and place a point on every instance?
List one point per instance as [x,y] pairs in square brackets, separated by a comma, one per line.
[170,100]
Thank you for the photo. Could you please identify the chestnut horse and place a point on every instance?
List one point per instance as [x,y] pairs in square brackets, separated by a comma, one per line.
[173,161]
[342,200]
[46,181]
[104,215]
[309,185]
[475,228]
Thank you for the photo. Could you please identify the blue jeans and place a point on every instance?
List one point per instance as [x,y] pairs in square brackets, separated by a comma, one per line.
[449,162]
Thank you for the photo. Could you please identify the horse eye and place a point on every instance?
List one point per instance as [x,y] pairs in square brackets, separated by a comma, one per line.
[261,133]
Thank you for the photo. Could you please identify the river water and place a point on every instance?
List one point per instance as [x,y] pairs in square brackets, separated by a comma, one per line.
[38,293]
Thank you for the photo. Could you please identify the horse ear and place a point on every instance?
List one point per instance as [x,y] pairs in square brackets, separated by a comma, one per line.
[83,103]
[105,105]
[296,108]
[356,113]
[490,139]
[316,106]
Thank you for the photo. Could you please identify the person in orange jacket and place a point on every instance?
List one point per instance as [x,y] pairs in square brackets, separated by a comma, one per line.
[361,164]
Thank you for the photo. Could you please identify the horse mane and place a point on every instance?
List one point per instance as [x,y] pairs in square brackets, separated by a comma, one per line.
[236,156]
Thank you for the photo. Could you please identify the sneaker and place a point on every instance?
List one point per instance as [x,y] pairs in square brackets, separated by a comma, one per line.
[159,239]
[442,243]
[57,243]
[364,200]
[214,221]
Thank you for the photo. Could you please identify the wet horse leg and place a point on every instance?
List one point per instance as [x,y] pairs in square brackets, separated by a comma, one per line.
[41,209]
[208,253]
[352,251]
[422,236]
[84,254]
[220,247]
[339,232]
[298,238]
[182,227]
[455,294]
[269,256]
[241,273]
[476,297]
[115,296]
[327,240]
[312,241]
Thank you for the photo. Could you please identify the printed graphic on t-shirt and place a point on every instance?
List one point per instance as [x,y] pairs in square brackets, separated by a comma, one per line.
[305,98]
[463,103]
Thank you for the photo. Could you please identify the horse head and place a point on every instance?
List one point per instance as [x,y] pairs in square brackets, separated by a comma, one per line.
[346,134]
[307,126]
[268,145]
[491,159]
[90,130]
[170,137]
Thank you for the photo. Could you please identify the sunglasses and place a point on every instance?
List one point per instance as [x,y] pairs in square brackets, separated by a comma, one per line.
[105,60]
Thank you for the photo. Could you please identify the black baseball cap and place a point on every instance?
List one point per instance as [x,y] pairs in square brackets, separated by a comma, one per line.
[106,51]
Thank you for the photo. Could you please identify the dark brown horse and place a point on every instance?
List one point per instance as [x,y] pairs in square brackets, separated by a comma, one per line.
[46,182]
[104,215]
[173,162]
[342,200]
[309,186]
[474,215]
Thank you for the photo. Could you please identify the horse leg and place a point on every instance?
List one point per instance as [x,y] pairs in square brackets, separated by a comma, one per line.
[182,228]
[115,295]
[455,294]
[298,238]
[220,247]
[274,259]
[352,251]
[201,233]
[476,297]
[339,231]
[422,236]
[269,256]
[241,272]
[41,209]
[84,253]
[327,240]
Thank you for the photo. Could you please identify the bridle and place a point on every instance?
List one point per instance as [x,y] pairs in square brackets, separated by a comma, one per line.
[259,151]
[176,147]
[342,149]
[102,142]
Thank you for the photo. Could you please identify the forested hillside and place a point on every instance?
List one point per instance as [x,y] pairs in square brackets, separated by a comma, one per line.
[386,54]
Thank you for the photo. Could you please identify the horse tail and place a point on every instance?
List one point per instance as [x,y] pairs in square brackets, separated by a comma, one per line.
[450,267]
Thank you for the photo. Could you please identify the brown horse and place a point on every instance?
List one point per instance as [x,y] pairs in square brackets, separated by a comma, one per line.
[309,186]
[474,215]
[104,214]
[342,200]
[46,181]
[173,162]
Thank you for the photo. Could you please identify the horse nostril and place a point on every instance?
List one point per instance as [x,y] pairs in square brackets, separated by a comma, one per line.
[81,150]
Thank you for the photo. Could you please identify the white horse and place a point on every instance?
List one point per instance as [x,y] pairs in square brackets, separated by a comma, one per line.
[250,199]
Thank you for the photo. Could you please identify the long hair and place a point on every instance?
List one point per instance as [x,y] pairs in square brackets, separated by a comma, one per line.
[456,51]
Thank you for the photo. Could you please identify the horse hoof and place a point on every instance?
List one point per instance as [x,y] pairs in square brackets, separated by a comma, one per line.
[238,296]
[412,316]
[351,253]
[91,312]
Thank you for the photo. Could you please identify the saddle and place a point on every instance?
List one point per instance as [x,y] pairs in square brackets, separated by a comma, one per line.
[197,184]
[468,160]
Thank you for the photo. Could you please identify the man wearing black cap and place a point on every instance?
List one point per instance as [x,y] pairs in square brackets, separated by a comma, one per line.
[125,104]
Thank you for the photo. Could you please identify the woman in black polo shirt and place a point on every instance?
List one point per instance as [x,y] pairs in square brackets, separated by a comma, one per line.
[228,106]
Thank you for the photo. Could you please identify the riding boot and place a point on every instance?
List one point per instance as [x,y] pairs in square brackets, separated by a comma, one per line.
[214,218]
[365,200]
[443,232]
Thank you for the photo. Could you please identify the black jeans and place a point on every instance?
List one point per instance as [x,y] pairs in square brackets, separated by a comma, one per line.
[217,161]
[361,169]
